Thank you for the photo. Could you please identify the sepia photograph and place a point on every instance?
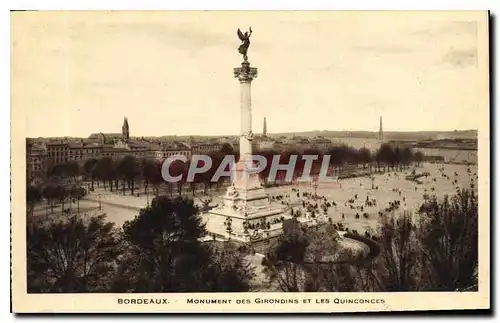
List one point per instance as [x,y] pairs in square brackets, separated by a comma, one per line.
[259,161]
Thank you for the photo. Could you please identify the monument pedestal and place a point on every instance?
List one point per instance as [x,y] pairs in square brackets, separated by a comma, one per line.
[246,213]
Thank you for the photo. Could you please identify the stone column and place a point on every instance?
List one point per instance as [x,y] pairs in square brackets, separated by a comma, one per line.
[245,117]
[245,74]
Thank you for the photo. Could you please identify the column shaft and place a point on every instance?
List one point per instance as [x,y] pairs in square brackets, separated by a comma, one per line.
[246,118]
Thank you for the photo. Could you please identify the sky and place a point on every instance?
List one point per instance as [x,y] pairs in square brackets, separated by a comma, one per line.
[171,73]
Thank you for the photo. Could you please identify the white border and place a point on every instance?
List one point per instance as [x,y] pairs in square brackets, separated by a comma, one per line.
[173,5]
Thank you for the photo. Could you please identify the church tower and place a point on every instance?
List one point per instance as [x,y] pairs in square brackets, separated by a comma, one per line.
[264,131]
[381,132]
[125,130]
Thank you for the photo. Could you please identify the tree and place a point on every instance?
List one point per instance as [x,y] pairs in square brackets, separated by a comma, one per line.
[350,155]
[316,164]
[397,157]
[151,173]
[385,154]
[284,261]
[434,250]
[128,169]
[73,170]
[179,168]
[149,168]
[164,253]
[77,193]
[339,277]
[157,180]
[406,155]
[296,260]
[337,157]
[70,256]
[206,177]
[50,193]
[322,243]
[62,193]
[33,196]
[228,271]
[197,177]
[418,157]
[268,155]
[437,251]
[106,171]
[90,168]
[59,170]
[365,156]
[450,242]
[226,149]
[396,268]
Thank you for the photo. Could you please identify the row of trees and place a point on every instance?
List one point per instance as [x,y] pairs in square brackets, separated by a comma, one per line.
[53,193]
[158,251]
[436,250]
[130,170]
[342,157]
[70,170]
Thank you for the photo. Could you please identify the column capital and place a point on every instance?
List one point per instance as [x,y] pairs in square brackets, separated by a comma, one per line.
[245,73]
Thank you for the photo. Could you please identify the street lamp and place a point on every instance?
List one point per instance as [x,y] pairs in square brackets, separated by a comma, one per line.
[100,202]
[315,186]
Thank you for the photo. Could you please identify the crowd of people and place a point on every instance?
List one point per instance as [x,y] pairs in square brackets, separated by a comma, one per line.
[365,201]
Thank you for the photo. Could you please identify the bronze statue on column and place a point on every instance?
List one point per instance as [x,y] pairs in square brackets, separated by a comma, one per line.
[245,39]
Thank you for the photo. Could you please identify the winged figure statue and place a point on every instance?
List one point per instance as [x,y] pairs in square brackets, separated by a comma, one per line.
[245,42]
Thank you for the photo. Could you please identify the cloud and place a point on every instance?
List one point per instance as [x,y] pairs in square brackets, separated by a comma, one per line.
[185,36]
[461,28]
[461,58]
[382,49]
[458,28]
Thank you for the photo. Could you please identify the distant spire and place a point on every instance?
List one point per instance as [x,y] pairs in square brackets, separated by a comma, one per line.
[125,129]
[264,131]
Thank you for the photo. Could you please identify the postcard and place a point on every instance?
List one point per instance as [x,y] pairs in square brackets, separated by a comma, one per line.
[249,161]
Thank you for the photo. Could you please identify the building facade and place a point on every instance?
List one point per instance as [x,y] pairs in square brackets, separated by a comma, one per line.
[42,157]
[165,150]
[36,162]
[203,148]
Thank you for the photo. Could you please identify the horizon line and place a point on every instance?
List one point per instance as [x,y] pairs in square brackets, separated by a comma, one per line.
[268,134]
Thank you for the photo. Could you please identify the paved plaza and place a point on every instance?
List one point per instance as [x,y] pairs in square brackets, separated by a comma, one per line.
[120,208]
